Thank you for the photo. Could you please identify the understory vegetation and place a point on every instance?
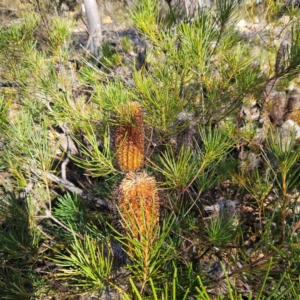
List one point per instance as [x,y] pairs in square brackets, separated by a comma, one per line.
[175,179]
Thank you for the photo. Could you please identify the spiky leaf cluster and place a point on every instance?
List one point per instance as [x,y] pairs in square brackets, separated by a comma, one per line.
[180,97]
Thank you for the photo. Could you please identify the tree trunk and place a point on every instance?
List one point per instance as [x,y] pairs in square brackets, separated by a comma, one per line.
[95,32]
[189,7]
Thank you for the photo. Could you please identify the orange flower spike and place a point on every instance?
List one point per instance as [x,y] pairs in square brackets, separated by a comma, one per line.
[139,203]
[129,139]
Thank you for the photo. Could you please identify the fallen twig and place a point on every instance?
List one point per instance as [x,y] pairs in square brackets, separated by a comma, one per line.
[74,189]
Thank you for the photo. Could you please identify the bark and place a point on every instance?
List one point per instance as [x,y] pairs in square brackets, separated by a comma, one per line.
[189,7]
[95,32]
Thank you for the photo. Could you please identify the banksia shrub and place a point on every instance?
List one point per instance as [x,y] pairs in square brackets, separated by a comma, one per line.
[129,138]
[138,203]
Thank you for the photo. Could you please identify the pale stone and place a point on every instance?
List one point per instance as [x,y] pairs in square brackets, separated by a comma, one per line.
[106,20]
[285,19]
[242,24]
[256,20]
[288,127]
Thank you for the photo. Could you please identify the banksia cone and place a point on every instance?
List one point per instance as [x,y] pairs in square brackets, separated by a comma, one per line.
[139,204]
[129,138]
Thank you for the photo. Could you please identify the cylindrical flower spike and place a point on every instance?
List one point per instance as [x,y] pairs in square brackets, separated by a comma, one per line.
[129,138]
[138,203]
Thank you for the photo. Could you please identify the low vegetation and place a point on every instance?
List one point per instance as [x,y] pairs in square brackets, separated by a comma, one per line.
[177,179]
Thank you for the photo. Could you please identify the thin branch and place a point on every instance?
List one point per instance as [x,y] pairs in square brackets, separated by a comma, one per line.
[50,216]
[256,263]
[67,159]
[65,227]
[74,189]
[8,84]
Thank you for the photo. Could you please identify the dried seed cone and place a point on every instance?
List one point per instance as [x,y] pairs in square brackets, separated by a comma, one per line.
[129,139]
[138,203]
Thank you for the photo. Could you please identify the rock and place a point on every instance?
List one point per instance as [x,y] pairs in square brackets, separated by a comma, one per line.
[256,20]
[249,162]
[277,102]
[215,271]
[250,113]
[282,57]
[285,20]
[294,100]
[107,20]
[242,25]
[287,129]
[290,132]
[293,2]
[228,206]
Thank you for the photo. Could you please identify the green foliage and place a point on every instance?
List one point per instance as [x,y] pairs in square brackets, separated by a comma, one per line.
[145,15]
[220,230]
[291,64]
[110,97]
[58,109]
[96,162]
[182,170]
[90,74]
[179,171]
[27,149]
[159,95]
[285,169]
[286,155]
[18,246]
[14,286]
[86,263]
[3,112]
[111,57]
[150,253]
[172,291]
[71,211]
[18,237]
[216,144]
[20,33]
[59,35]
[127,44]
